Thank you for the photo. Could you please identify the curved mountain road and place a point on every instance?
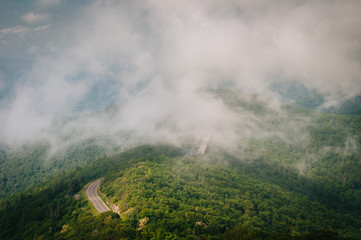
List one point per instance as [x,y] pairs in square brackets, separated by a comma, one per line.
[93,196]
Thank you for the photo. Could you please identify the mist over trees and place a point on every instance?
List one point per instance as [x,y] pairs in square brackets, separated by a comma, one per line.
[156,60]
[205,119]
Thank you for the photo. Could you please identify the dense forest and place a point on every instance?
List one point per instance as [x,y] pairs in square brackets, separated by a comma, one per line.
[165,193]
[32,164]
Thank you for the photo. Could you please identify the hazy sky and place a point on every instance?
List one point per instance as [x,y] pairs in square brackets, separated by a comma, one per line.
[156,58]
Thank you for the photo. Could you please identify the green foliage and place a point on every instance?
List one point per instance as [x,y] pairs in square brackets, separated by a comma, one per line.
[45,211]
[190,199]
[162,194]
[333,130]
[30,165]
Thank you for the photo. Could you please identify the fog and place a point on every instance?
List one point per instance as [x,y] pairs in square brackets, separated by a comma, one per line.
[154,62]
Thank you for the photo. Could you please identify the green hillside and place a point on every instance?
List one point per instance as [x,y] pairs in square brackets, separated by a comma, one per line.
[164,193]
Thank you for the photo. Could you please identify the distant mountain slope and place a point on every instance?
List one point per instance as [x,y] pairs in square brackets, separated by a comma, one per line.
[298,95]
[351,106]
[32,164]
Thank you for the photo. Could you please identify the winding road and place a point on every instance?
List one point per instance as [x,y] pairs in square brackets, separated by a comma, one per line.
[93,196]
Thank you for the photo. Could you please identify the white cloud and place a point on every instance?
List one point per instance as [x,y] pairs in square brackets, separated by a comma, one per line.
[41,28]
[33,18]
[18,30]
[159,55]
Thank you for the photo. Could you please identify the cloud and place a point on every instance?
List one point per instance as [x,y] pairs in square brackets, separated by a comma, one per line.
[42,27]
[18,30]
[21,30]
[158,58]
[20,41]
[33,18]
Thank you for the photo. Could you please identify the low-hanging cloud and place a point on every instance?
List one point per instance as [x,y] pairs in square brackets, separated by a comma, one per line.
[158,58]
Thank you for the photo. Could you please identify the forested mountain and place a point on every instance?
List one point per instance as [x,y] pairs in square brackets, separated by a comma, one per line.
[26,165]
[301,135]
[190,119]
[166,193]
[294,177]
[32,164]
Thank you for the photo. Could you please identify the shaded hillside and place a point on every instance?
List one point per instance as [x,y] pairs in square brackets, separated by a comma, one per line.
[32,164]
[351,106]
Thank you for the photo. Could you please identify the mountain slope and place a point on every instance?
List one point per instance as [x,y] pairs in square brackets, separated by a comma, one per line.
[32,164]
[163,194]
